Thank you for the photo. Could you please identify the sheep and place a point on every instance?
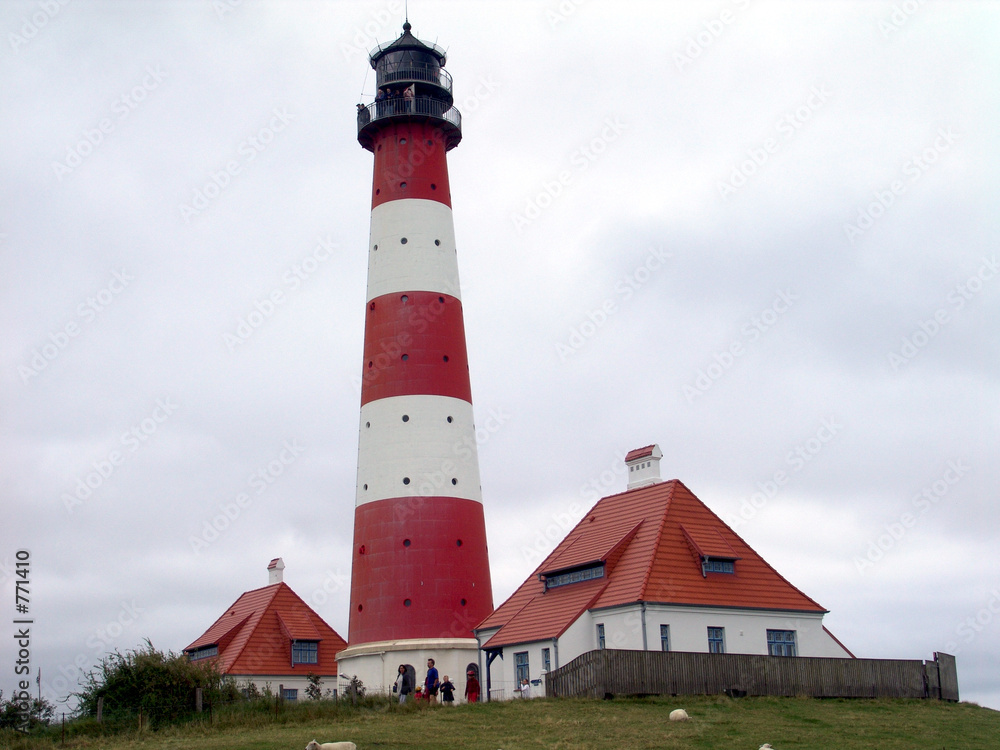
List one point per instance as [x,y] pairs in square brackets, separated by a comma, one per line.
[679,714]
[766,746]
[314,745]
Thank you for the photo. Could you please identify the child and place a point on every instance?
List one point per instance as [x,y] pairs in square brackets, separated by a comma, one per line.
[447,692]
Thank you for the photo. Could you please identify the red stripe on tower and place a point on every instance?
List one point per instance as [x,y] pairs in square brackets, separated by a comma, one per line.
[420,577]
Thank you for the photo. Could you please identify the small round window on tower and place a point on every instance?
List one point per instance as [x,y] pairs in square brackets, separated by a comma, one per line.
[454,481]
[462,602]
[361,606]
[458,542]
[433,186]
[406,542]
[406,480]
[406,602]
[402,241]
[402,140]
[445,358]
[402,186]
[450,420]
[404,299]
[405,357]
[437,242]
[406,417]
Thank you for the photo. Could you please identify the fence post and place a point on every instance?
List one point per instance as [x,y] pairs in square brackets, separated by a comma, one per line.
[100,710]
[63,740]
[197,699]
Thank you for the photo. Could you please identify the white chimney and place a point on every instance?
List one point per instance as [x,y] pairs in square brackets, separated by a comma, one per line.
[643,466]
[274,571]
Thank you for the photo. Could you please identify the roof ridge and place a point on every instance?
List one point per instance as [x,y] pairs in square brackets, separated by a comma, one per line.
[659,535]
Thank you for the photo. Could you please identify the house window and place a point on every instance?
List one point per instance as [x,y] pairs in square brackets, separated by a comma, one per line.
[290,694]
[781,642]
[575,576]
[664,637]
[203,653]
[716,640]
[521,666]
[546,661]
[600,635]
[305,652]
[717,565]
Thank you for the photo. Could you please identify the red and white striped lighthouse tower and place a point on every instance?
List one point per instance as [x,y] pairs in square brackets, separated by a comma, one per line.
[420,577]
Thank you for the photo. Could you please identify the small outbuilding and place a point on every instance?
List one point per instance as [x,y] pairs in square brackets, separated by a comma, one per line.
[270,637]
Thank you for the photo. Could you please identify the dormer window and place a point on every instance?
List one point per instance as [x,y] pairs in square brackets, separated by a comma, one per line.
[203,653]
[305,652]
[717,565]
[566,577]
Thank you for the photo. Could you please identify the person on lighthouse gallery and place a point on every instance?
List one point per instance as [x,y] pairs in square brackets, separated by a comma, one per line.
[432,683]
[404,683]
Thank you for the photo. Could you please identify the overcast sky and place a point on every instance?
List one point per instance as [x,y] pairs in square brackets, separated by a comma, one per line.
[760,234]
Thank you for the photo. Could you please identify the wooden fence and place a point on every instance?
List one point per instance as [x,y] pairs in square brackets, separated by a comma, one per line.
[611,672]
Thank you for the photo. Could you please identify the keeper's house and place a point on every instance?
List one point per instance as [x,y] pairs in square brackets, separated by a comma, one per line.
[272,638]
[651,568]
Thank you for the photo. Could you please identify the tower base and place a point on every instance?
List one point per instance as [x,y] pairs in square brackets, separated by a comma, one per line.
[377,664]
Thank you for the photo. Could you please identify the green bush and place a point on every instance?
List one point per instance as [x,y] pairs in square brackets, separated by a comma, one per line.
[161,686]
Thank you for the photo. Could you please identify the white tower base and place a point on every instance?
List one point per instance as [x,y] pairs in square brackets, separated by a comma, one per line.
[377,664]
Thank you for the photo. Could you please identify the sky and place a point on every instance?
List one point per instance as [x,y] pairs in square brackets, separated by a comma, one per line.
[762,235]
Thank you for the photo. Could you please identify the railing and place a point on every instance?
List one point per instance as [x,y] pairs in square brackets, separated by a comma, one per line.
[615,672]
[410,71]
[421,106]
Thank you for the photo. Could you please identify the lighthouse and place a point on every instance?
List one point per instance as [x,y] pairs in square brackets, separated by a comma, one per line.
[420,577]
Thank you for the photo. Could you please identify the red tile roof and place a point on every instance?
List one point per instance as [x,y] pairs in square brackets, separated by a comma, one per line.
[649,538]
[639,453]
[255,634]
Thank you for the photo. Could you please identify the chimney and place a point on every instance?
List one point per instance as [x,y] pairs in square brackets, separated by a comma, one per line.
[274,571]
[643,466]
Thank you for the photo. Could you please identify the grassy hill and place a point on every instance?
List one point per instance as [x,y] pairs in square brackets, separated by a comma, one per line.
[717,723]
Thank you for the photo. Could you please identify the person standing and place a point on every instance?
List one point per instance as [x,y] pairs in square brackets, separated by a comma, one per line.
[525,688]
[471,687]
[447,692]
[404,683]
[431,683]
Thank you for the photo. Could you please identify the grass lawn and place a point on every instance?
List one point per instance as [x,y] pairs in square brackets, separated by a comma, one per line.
[717,723]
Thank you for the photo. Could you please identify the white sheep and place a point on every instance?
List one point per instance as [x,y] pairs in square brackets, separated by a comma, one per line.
[314,745]
[766,746]
[679,714]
